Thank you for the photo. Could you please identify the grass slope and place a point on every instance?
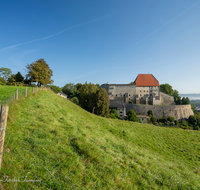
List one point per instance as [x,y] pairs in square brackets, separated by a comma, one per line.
[7,92]
[95,152]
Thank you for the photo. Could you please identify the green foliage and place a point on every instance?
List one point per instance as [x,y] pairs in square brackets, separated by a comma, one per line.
[19,77]
[132,116]
[5,73]
[87,96]
[130,102]
[175,122]
[56,89]
[71,90]
[102,103]
[195,102]
[39,72]
[114,114]
[184,124]
[2,81]
[166,88]
[162,120]
[192,120]
[150,114]
[153,119]
[185,100]
[170,118]
[75,100]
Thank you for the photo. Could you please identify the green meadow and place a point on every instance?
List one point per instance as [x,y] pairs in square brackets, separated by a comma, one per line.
[7,92]
[48,135]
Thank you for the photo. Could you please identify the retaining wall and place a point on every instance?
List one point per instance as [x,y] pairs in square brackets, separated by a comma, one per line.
[179,112]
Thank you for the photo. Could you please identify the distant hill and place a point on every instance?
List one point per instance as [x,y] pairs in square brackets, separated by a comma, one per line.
[94,152]
[191,96]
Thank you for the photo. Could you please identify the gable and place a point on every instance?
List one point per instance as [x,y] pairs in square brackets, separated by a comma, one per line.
[146,80]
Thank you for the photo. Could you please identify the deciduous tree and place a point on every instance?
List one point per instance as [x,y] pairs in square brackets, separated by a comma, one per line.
[102,103]
[40,72]
[132,116]
[5,73]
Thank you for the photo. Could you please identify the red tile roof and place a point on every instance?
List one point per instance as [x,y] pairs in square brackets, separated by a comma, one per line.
[146,80]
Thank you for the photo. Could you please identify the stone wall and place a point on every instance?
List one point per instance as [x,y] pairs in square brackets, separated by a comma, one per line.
[179,112]
[166,99]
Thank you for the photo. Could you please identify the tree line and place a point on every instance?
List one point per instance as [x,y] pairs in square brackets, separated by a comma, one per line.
[37,72]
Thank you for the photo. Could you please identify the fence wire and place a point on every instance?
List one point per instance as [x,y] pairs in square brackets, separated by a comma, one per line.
[25,168]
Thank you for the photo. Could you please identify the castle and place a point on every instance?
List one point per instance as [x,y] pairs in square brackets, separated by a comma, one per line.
[145,94]
[144,90]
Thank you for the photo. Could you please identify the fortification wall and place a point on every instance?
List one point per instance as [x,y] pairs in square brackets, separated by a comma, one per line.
[166,99]
[179,112]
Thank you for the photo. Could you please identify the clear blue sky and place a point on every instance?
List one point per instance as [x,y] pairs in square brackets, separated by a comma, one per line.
[101,41]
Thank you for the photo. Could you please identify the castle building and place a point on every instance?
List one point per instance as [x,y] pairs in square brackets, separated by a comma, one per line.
[144,90]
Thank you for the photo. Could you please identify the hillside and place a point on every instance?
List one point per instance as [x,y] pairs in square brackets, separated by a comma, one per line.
[7,92]
[94,152]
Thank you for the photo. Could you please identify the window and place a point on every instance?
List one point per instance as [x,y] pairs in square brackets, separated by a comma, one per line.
[120,112]
[140,94]
[144,90]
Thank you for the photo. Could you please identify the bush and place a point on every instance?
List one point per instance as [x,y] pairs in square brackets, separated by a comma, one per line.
[114,114]
[153,119]
[130,102]
[172,123]
[75,100]
[132,116]
[175,122]
[162,120]
[170,118]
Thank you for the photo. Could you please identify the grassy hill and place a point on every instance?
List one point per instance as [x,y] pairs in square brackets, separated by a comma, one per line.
[47,134]
[7,92]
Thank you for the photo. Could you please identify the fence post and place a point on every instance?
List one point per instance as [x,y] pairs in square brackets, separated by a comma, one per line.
[3,122]
[16,94]
[26,91]
[32,89]
[37,89]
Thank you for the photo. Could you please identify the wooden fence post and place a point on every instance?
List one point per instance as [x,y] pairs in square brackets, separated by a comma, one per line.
[32,89]
[3,122]
[26,91]
[37,89]
[16,94]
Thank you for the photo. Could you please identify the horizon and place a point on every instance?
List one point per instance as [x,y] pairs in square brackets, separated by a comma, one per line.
[104,41]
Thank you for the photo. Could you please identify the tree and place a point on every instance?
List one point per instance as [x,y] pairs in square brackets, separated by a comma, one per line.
[177,97]
[166,88]
[114,114]
[75,100]
[87,96]
[40,72]
[185,100]
[192,120]
[5,73]
[102,103]
[11,80]
[56,89]
[2,81]
[71,90]
[132,116]
[19,77]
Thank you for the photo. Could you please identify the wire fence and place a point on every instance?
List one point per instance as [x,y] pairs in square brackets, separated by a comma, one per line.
[24,168]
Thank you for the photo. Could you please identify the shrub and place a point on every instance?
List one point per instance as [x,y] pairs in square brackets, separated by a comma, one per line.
[132,116]
[172,123]
[75,100]
[162,120]
[114,114]
[175,122]
[170,118]
[130,102]
[153,119]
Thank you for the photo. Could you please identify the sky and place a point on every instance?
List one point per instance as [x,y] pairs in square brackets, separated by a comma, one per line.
[102,41]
